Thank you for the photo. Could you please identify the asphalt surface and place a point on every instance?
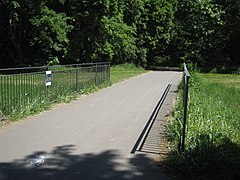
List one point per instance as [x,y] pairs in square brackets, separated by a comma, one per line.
[90,138]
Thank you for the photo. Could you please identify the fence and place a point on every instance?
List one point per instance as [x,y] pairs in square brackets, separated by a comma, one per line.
[21,88]
[185,101]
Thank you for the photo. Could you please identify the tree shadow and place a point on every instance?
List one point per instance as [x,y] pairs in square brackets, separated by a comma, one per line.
[207,160]
[63,164]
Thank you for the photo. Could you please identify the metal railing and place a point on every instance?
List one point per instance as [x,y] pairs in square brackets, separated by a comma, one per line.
[186,77]
[21,88]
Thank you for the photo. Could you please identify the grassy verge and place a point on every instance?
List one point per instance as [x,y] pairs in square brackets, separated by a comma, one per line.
[118,73]
[213,130]
[125,71]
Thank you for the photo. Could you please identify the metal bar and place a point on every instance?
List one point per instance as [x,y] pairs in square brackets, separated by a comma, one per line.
[25,89]
[19,91]
[109,75]
[11,97]
[14,92]
[96,75]
[185,101]
[77,88]
[2,94]
[32,86]
[8,95]
[186,72]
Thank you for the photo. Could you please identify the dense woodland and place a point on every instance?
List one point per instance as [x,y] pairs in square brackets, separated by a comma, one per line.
[205,33]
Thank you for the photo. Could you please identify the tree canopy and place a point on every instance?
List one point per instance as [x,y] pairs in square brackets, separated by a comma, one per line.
[145,32]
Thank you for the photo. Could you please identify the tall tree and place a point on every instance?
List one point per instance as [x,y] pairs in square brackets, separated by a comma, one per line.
[15,27]
[207,31]
[86,16]
[26,31]
[50,35]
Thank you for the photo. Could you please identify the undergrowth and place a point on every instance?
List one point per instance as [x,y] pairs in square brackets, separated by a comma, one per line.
[213,130]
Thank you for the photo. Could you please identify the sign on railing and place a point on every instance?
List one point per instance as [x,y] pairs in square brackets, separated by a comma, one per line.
[186,77]
[48,78]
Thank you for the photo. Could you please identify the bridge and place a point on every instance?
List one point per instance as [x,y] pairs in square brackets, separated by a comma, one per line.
[114,133]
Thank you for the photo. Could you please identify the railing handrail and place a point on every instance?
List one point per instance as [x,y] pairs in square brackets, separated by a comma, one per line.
[186,72]
[42,67]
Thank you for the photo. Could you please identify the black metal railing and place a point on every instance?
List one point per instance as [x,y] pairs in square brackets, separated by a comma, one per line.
[21,87]
[186,77]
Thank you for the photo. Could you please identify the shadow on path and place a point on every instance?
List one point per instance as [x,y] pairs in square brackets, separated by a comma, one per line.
[62,164]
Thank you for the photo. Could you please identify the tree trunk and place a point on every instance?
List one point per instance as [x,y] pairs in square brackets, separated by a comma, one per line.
[20,55]
[16,44]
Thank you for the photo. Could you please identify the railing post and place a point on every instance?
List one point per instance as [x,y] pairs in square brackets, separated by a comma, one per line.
[108,72]
[77,88]
[185,101]
[96,75]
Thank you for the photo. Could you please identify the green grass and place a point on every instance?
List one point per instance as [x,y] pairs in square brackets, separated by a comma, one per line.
[125,71]
[213,130]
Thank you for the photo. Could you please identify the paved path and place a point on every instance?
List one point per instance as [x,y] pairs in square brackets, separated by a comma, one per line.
[90,138]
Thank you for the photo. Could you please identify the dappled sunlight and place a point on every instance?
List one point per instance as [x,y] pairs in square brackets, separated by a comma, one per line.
[63,164]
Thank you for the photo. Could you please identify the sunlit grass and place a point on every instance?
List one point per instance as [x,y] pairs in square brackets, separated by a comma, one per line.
[125,71]
[213,129]
[225,79]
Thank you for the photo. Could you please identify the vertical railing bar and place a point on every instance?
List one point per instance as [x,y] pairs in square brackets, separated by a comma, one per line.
[63,82]
[7,90]
[25,89]
[4,91]
[11,93]
[32,86]
[96,75]
[101,72]
[60,82]
[77,90]
[14,91]
[1,85]
[185,101]
[72,80]
[19,91]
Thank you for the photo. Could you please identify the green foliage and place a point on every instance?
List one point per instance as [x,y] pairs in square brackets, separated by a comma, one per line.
[118,45]
[51,32]
[160,31]
[145,32]
[36,32]
[204,32]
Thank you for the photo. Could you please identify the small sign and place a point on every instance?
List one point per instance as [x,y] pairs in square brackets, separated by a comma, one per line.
[48,78]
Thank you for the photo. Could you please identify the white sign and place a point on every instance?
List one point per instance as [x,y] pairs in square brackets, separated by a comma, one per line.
[48,78]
